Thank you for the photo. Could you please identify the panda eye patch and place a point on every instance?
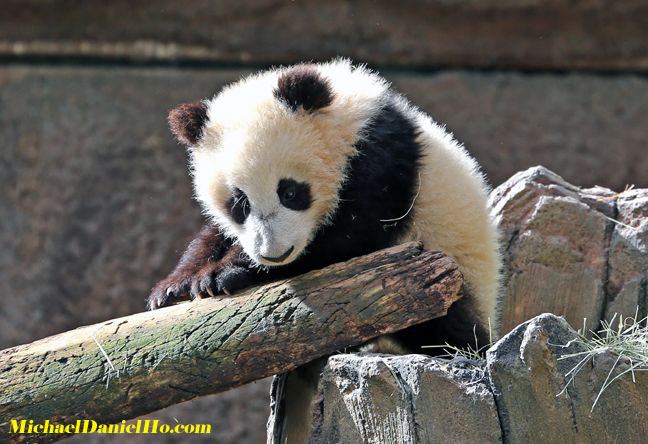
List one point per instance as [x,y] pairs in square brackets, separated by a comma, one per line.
[238,206]
[294,195]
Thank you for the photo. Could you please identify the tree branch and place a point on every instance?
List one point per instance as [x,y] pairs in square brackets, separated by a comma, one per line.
[130,366]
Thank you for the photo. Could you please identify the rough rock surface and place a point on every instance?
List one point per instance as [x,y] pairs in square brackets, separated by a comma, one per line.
[529,369]
[519,395]
[382,399]
[580,253]
[628,274]
[556,237]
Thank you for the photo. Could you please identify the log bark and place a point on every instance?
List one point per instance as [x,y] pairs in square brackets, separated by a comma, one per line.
[130,366]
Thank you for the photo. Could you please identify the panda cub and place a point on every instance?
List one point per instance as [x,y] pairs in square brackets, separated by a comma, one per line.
[304,166]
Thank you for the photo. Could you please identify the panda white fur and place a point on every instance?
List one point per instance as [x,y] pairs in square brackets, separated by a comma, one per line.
[303,166]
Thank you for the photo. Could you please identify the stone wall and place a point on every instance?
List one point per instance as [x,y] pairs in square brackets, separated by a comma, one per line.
[96,200]
[522,393]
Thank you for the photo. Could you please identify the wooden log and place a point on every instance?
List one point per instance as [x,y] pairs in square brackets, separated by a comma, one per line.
[126,367]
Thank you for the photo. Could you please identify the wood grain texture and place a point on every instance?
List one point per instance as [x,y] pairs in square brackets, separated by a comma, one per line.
[130,366]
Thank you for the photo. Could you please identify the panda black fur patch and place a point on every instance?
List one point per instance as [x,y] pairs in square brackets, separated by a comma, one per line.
[238,206]
[374,201]
[303,86]
[187,122]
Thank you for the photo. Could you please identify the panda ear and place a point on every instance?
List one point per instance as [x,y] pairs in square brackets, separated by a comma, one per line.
[187,122]
[303,85]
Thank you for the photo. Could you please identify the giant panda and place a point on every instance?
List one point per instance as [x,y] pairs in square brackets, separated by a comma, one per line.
[300,167]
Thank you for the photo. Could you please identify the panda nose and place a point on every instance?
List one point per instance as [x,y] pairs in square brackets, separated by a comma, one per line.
[279,258]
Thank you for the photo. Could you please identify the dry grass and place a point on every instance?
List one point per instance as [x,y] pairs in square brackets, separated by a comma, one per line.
[472,352]
[626,338]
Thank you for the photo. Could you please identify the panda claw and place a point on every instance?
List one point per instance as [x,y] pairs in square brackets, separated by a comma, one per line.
[209,281]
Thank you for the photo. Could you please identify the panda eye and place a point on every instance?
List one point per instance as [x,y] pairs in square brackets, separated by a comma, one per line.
[289,193]
[294,195]
[238,206]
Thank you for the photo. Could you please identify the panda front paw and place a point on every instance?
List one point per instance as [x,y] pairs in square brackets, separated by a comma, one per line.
[210,280]
[232,279]
[168,291]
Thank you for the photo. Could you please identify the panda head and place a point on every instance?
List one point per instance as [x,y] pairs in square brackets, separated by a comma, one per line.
[268,153]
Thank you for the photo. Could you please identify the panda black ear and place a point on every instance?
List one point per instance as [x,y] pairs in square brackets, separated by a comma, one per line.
[303,86]
[187,122]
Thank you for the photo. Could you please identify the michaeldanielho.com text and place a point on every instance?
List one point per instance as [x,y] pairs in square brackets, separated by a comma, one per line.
[90,426]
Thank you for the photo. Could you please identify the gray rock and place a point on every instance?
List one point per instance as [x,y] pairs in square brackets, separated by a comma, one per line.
[579,253]
[396,399]
[525,392]
[556,238]
[529,371]
[628,274]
